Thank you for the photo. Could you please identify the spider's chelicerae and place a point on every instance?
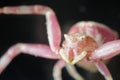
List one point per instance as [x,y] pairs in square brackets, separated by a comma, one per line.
[87,44]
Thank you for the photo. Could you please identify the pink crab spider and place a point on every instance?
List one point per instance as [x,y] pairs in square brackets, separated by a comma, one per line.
[87,44]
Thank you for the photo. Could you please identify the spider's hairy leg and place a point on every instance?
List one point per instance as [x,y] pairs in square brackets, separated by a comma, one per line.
[39,50]
[57,75]
[103,70]
[107,50]
[53,28]
[73,72]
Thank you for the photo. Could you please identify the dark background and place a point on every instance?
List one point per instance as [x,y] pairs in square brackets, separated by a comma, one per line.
[31,29]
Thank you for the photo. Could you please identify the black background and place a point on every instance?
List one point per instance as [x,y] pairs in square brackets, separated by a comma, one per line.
[31,29]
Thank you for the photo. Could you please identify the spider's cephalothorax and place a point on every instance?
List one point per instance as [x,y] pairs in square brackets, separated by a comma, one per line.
[76,47]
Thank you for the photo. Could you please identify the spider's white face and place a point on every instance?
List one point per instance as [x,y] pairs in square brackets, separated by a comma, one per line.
[77,47]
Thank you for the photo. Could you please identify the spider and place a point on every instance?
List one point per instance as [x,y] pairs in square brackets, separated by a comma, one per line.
[88,44]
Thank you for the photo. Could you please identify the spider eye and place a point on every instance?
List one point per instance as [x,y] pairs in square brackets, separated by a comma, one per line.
[82,37]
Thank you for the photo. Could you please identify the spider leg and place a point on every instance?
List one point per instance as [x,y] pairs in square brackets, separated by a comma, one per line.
[107,50]
[73,72]
[57,70]
[53,28]
[96,30]
[103,70]
[38,50]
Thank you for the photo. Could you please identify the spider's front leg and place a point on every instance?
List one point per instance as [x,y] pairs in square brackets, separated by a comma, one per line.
[105,52]
[37,50]
[53,30]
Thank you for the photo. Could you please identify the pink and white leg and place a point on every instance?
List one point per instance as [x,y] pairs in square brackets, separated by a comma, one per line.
[73,72]
[53,28]
[38,50]
[57,70]
[103,70]
[105,52]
